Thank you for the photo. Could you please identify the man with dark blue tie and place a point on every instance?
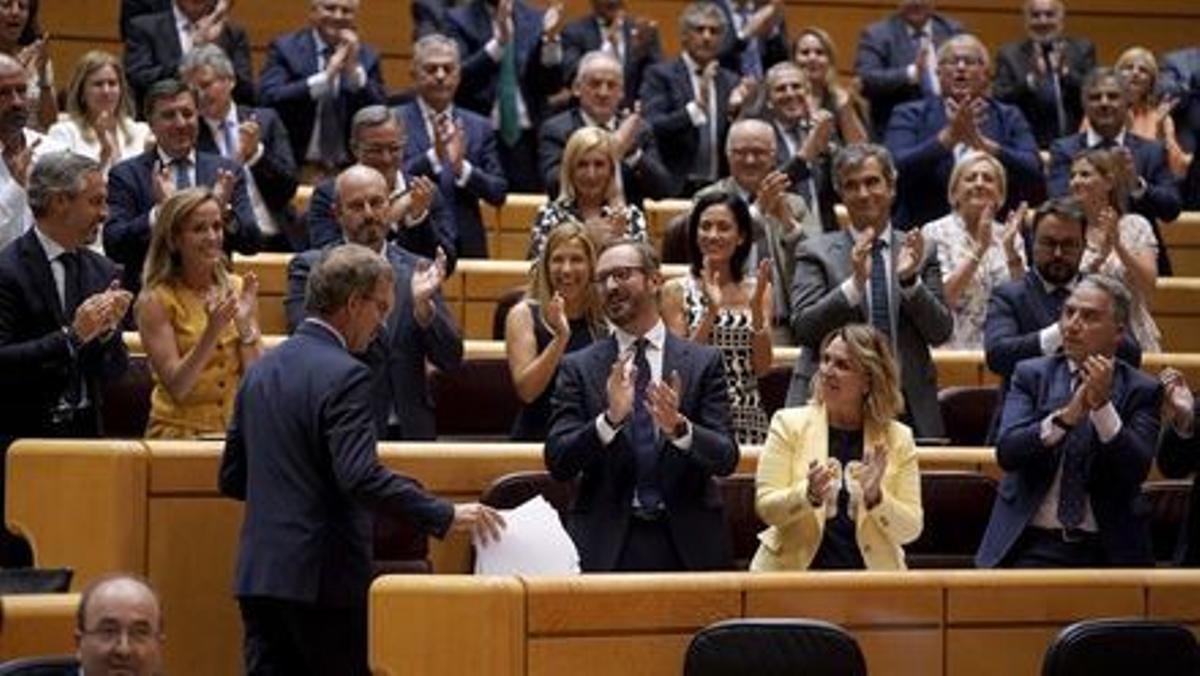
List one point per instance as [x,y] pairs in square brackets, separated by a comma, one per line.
[1077,437]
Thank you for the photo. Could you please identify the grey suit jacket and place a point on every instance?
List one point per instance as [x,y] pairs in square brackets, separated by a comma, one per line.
[920,318]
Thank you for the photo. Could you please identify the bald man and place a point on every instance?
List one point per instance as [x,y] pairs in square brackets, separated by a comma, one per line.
[118,629]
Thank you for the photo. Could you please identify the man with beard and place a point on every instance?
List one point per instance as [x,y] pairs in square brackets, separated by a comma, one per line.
[642,419]
[1023,319]
[420,328]
[19,147]
[926,137]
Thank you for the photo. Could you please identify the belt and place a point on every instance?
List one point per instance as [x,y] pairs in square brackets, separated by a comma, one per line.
[1069,535]
[649,514]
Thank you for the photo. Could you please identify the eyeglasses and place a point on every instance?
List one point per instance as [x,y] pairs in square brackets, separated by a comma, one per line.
[960,60]
[620,274]
[110,634]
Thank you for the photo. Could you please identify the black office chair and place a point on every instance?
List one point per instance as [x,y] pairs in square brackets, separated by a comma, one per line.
[774,647]
[35,580]
[59,665]
[1119,647]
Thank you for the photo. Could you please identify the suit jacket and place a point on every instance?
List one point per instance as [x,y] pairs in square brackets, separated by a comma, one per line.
[1179,77]
[1114,471]
[772,49]
[1160,201]
[153,53]
[920,316]
[924,164]
[429,16]
[666,91]
[583,35]
[645,178]
[301,453]
[398,355]
[799,436]
[600,516]
[69,667]
[1016,83]
[283,85]
[274,173]
[471,26]
[131,198]
[885,51]
[131,9]
[1177,459]
[423,239]
[36,359]
[486,182]
[820,171]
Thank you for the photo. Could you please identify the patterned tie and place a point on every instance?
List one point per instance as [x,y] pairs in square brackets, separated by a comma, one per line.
[641,432]
[1060,113]
[506,91]
[751,57]
[183,178]
[881,314]
[229,129]
[705,164]
[331,131]
[1072,489]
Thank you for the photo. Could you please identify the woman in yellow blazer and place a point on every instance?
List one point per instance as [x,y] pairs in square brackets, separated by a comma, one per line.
[838,483]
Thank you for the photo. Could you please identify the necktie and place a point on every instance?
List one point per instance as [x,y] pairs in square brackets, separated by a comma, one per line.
[231,138]
[705,162]
[332,132]
[1060,113]
[751,57]
[506,91]
[641,431]
[71,298]
[928,76]
[1057,298]
[881,314]
[183,178]
[1072,491]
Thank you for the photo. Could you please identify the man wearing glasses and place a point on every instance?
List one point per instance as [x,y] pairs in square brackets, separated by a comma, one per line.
[927,137]
[642,419]
[1024,316]
[119,629]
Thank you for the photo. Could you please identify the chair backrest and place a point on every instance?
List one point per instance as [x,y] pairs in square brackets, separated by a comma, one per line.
[475,401]
[674,248]
[511,490]
[1119,647]
[125,402]
[773,647]
[737,492]
[35,580]
[58,665]
[399,546]
[773,387]
[503,304]
[967,411]
[957,507]
[1169,503]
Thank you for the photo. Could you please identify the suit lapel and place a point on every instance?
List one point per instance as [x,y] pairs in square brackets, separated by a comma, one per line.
[675,360]
[37,270]
[308,51]
[414,122]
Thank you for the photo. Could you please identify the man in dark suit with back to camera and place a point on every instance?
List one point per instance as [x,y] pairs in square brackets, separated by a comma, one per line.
[598,88]
[1042,74]
[316,78]
[452,146]
[139,184]
[642,418]
[897,58]
[1077,437]
[632,41]
[419,330]
[872,274]
[1154,193]
[252,137]
[301,452]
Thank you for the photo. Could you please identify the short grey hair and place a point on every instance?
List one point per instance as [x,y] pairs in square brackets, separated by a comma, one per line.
[594,57]
[371,116]
[1116,291]
[854,155]
[965,40]
[433,42]
[208,55]
[748,124]
[704,9]
[344,272]
[57,173]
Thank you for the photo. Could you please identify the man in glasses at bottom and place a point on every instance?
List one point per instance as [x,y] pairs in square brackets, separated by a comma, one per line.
[642,418]
[119,629]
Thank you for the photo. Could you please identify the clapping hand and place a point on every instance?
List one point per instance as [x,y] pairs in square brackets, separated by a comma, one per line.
[553,21]
[1097,374]
[712,280]
[223,188]
[1178,401]
[1012,227]
[822,480]
[869,475]
[249,136]
[164,184]
[663,399]
[770,198]
[502,22]
[625,138]
[556,317]
[860,262]
[221,305]
[619,389]
[912,253]
[21,162]
[760,303]
[247,304]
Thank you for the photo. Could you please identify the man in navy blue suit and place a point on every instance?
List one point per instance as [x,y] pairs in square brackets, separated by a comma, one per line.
[317,78]
[454,147]
[301,452]
[642,418]
[418,219]
[419,330]
[254,138]
[927,136]
[632,40]
[896,59]
[1154,194]
[511,65]
[1077,437]
[138,185]
[757,37]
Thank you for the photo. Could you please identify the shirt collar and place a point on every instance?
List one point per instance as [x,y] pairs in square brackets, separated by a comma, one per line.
[231,116]
[181,21]
[925,28]
[52,248]
[427,112]
[1094,139]
[590,121]
[329,327]
[885,235]
[166,159]
[656,336]
[691,64]
[320,43]
[1051,288]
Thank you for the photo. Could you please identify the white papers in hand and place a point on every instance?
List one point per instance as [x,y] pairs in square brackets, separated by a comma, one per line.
[533,542]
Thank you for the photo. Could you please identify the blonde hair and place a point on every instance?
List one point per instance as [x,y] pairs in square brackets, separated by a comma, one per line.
[1135,55]
[970,159]
[1105,163]
[585,140]
[541,287]
[872,351]
[88,64]
[163,261]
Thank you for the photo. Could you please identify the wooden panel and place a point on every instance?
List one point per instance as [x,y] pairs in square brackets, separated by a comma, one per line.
[1176,596]
[642,655]
[630,603]
[997,652]
[37,624]
[519,212]
[911,599]
[192,551]
[1041,597]
[446,625]
[78,502]
[901,652]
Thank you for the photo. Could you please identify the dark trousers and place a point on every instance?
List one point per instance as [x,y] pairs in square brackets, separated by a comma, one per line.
[1042,548]
[520,164]
[288,638]
[649,548]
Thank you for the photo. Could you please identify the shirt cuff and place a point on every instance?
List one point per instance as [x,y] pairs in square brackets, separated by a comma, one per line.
[319,85]
[552,53]
[1050,433]
[467,168]
[1187,429]
[1106,421]
[494,50]
[605,431]
[911,73]
[684,443]
[1139,189]
[908,291]
[258,153]
[852,293]
[434,162]
[698,116]
[633,158]
[410,220]
[357,79]
[1050,339]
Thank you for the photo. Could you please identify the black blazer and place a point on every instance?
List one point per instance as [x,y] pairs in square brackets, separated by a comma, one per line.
[153,53]
[131,197]
[771,49]
[275,171]
[398,355]
[646,178]
[1178,458]
[131,9]
[600,515]
[301,452]
[583,35]
[36,359]
[1015,64]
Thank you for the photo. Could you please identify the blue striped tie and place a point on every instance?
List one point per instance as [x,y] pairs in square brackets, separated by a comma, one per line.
[881,314]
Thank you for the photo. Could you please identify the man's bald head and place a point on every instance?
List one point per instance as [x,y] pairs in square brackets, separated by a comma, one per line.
[119,627]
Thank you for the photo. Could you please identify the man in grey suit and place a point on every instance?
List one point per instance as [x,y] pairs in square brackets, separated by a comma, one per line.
[868,273]
[421,329]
